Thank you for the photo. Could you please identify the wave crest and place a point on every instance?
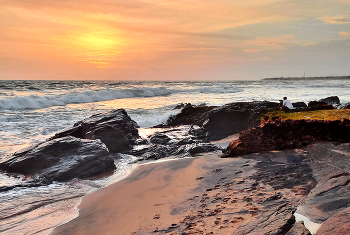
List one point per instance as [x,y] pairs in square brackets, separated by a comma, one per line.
[38,102]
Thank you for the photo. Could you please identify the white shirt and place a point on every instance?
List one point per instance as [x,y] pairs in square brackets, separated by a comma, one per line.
[288,104]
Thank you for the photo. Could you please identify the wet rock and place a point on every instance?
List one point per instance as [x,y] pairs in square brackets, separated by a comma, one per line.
[276,196]
[223,121]
[346,106]
[159,138]
[276,221]
[319,105]
[299,105]
[338,224]
[157,151]
[232,118]
[179,106]
[331,100]
[153,151]
[299,229]
[115,129]
[190,115]
[184,140]
[289,134]
[62,159]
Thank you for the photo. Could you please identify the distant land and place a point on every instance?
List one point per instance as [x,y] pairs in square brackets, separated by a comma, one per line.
[310,78]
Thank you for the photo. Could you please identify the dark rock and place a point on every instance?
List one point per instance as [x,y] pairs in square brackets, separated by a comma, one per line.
[299,229]
[319,105]
[346,106]
[115,129]
[276,221]
[276,196]
[174,141]
[289,134]
[190,115]
[338,224]
[235,117]
[157,151]
[331,100]
[153,151]
[179,106]
[159,138]
[299,105]
[62,159]
[223,121]
[201,148]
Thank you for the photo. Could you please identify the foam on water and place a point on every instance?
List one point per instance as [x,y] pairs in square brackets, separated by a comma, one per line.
[38,102]
[41,209]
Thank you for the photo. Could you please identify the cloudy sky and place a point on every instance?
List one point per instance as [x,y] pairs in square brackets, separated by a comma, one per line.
[173,39]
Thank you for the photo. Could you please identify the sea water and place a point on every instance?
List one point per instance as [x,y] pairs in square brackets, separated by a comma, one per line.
[32,111]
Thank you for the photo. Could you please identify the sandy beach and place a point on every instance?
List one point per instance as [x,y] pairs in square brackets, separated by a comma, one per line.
[255,194]
[201,195]
[153,198]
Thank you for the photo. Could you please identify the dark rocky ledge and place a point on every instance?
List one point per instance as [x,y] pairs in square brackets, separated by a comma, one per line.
[289,134]
[115,129]
[61,159]
[220,122]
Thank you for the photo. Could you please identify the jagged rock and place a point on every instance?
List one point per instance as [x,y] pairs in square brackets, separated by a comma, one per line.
[278,135]
[115,129]
[299,105]
[319,105]
[331,100]
[338,224]
[159,138]
[346,106]
[232,118]
[153,151]
[157,151]
[299,229]
[223,121]
[179,106]
[276,221]
[174,141]
[190,115]
[61,159]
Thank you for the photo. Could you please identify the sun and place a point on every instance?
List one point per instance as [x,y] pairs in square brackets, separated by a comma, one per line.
[97,48]
[99,40]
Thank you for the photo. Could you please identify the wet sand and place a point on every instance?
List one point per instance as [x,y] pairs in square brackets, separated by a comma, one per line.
[254,194]
[153,198]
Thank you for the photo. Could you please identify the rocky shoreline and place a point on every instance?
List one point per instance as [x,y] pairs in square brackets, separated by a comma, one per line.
[283,165]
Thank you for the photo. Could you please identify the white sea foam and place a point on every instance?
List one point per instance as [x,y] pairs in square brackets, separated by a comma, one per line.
[37,102]
[154,118]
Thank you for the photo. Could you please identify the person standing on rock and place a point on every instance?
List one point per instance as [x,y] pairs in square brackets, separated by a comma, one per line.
[287,103]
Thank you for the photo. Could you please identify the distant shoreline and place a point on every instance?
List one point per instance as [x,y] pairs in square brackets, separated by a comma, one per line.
[309,78]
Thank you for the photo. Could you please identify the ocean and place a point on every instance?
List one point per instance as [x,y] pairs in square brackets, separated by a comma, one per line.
[32,111]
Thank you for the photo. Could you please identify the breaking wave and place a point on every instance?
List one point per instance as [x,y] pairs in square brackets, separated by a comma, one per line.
[38,102]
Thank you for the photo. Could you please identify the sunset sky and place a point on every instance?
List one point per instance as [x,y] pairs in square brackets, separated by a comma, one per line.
[173,39]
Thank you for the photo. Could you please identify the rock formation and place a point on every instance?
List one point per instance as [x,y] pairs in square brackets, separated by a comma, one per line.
[225,120]
[278,135]
[338,224]
[115,129]
[182,141]
[331,100]
[299,229]
[61,159]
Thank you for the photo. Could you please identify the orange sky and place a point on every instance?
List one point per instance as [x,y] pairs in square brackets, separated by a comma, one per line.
[173,39]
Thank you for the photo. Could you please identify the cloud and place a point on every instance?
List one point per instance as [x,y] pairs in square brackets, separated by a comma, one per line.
[344,33]
[268,43]
[338,19]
